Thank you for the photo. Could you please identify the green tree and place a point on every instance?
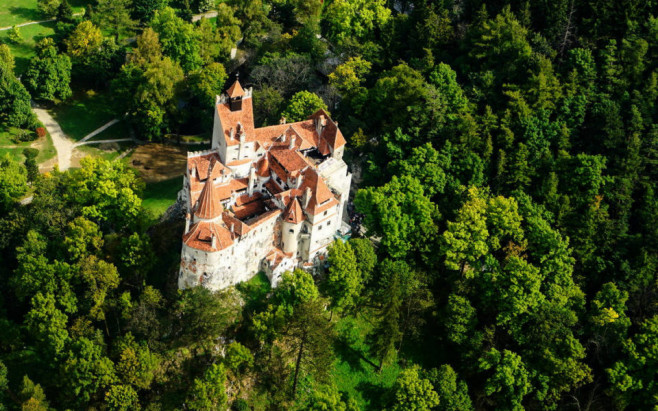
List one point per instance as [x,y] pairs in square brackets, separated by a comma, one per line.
[302,105]
[633,378]
[31,165]
[268,103]
[115,16]
[348,77]
[48,325]
[413,392]
[510,381]
[207,83]
[86,371]
[32,396]
[48,75]
[48,7]
[13,182]
[136,364]
[15,104]
[343,283]
[401,214]
[179,39]
[83,238]
[366,257]
[238,357]
[203,315]
[209,392]
[452,391]
[357,19]
[122,397]
[84,41]
[144,10]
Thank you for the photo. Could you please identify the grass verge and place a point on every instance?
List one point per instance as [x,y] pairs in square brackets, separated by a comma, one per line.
[158,197]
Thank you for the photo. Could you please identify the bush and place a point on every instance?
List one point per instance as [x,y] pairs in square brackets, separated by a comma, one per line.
[23,136]
[240,405]
[41,132]
[15,35]
[30,152]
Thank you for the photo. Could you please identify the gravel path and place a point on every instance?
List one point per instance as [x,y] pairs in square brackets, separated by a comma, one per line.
[63,144]
[34,22]
[98,131]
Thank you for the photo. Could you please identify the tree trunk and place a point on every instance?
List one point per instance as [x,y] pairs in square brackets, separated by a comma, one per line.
[297,364]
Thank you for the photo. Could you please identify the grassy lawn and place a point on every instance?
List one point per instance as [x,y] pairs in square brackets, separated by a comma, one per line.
[18,11]
[86,111]
[108,152]
[24,51]
[119,130]
[14,12]
[15,150]
[159,196]
[355,370]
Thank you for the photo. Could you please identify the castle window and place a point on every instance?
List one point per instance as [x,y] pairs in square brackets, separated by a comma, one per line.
[291,230]
[325,213]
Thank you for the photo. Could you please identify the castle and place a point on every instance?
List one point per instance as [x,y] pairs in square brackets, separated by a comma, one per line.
[261,199]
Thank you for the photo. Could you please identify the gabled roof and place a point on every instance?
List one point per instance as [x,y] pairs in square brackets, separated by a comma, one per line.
[208,206]
[293,213]
[263,169]
[235,90]
[321,196]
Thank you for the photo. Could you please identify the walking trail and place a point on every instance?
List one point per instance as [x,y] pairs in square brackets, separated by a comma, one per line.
[34,22]
[98,131]
[63,144]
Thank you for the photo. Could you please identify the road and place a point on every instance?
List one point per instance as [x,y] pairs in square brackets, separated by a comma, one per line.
[63,144]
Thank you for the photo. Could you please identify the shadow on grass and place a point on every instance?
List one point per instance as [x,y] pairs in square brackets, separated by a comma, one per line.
[376,394]
[27,14]
[352,356]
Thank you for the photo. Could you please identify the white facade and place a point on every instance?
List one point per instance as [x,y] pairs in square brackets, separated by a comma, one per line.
[268,199]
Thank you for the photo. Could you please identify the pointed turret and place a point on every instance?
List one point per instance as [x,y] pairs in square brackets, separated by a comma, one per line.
[209,206]
[235,95]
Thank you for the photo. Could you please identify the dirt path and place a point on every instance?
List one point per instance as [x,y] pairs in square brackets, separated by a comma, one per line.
[63,144]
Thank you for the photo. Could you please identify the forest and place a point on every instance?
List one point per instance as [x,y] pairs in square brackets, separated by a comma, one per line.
[505,156]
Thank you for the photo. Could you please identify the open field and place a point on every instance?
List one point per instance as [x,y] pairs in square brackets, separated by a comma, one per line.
[158,162]
[83,113]
[24,51]
[14,12]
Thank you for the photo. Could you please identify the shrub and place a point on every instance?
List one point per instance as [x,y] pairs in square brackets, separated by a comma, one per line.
[41,132]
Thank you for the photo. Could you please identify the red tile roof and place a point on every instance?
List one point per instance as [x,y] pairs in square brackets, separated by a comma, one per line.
[209,205]
[235,90]
[201,236]
[293,213]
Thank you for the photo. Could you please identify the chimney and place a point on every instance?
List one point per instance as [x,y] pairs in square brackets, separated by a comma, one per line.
[232,133]
[252,180]
[282,120]
[320,123]
[214,241]
[307,196]
[188,217]
[292,141]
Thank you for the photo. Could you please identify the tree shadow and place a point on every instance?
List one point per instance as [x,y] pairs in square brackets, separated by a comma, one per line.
[352,356]
[27,14]
[377,395]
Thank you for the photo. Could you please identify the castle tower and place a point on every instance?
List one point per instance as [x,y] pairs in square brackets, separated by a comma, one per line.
[292,221]
[235,95]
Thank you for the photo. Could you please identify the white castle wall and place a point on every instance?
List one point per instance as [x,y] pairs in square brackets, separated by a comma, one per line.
[239,262]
